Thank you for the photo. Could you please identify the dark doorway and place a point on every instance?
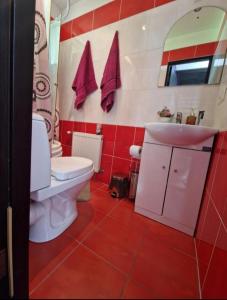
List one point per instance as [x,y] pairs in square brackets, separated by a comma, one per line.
[16,81]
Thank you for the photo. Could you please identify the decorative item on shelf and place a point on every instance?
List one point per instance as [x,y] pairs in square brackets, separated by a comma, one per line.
[191,119]
[98,129]
[179,117]
[165,116]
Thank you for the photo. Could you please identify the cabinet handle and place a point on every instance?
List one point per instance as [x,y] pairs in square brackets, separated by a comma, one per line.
[175,171]
[163,167]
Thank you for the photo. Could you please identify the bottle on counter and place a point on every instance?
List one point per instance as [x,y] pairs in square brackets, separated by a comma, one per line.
[191,119]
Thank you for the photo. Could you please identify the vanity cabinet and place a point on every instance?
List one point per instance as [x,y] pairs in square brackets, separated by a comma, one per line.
[171,183]
[154,174]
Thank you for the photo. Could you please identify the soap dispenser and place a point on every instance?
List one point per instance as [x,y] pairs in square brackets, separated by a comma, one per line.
[191,119]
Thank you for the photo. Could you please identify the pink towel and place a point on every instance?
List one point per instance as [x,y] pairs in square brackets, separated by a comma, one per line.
[84,82]
[111,77]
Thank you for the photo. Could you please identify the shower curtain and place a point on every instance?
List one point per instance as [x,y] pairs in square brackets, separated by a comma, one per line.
[41,84]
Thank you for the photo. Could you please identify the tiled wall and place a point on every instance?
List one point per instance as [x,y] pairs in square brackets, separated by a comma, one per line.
[201,50]
[116,143]
[107,14]
[143,27]
[211,237]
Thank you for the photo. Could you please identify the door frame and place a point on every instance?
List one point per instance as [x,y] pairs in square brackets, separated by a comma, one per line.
[15,129]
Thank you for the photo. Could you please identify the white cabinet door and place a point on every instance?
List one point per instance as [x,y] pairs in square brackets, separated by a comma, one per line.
[153,176]
[185,186]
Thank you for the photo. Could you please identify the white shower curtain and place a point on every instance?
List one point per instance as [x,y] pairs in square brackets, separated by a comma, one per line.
[41,85]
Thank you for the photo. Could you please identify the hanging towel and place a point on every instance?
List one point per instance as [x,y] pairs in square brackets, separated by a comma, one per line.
[111,77]
[84,82]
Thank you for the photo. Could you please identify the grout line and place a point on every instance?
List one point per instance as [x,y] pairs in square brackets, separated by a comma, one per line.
[93,19]
[211,256]
[206,209]
[120,9]
[216,166]
[105,260]
[198,272]
[54,269]
[129,277]
[223,224]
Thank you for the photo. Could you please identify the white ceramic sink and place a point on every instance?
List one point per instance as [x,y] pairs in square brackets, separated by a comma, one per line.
[179,134]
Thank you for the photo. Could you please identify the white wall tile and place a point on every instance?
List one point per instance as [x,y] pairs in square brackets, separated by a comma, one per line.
[139,99]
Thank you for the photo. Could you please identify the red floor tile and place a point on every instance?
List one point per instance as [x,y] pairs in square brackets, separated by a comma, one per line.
[87,220]
[102,201]
[40,254]
[127,237]
[115,240]
[105,245]
[215,283]
[134,290]
[95,184]
[169,273]
[82,276]
[51,265]
[171,237]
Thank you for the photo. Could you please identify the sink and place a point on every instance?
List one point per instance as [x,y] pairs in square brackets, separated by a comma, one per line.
[179,134]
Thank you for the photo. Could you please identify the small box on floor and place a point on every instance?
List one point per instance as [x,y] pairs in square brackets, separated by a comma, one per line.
[119,185]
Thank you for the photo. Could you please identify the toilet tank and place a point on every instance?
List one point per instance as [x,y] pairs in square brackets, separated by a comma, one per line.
[89,146]
[40,155]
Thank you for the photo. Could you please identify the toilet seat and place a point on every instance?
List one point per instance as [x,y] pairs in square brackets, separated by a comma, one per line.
[65,168]
[59,186]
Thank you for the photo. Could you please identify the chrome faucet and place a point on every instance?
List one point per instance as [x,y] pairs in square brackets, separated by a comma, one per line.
[200,116]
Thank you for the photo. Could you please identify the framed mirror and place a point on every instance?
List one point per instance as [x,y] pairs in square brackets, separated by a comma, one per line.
[195,49]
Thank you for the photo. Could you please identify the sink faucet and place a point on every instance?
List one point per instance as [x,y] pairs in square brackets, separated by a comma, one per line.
[200,116]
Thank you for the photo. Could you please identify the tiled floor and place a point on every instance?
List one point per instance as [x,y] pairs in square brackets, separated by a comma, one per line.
[111,252]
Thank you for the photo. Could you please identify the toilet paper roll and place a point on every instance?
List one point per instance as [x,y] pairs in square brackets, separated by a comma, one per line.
[135,151]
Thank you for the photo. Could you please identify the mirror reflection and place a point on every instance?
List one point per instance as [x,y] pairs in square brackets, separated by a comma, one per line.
[195,49]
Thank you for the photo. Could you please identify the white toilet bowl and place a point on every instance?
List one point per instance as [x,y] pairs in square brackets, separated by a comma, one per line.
[55,185]
[56,149]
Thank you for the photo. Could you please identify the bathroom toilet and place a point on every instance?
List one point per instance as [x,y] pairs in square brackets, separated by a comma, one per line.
[55,184]
[56,149]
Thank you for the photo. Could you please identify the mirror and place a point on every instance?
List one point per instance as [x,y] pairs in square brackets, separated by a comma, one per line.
[195,49]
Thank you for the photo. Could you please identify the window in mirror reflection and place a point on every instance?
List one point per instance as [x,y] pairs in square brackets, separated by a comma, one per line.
[192,71]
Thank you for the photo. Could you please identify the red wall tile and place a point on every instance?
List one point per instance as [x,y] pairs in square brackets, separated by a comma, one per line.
[165,58]
[215,286]
[91,128]
[132,7]
[106,14]
[219,191]
[106,166]
[214,160]
[67,150]
[121,166]
[211,236]
[162,2]
[82,24]
[139,136]
[124,139]
[109,133]
[118,138]
[181,54]
[66,31]
[79,126]
[66,138]
[206,49]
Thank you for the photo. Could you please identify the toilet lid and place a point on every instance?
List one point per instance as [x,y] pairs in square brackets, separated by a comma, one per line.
[63,168]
